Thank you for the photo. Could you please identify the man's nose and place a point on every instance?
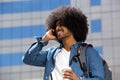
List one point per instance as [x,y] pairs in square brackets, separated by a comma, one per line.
[57,27]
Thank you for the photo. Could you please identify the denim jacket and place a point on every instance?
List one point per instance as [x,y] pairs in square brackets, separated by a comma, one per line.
[46,58]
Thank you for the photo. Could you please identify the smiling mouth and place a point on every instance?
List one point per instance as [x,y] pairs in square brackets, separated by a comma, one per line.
[58,32]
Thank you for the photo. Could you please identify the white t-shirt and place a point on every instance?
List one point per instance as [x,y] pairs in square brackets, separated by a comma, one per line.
[61,62]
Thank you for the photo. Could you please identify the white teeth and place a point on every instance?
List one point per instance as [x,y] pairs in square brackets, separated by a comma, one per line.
[58,32]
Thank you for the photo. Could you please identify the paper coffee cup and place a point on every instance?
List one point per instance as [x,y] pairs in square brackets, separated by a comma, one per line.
[63,70]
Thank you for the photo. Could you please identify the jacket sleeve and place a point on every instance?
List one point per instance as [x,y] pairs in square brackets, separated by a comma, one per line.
[34,55]
[94,65]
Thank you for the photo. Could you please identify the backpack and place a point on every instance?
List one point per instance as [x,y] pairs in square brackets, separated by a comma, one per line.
[82,60]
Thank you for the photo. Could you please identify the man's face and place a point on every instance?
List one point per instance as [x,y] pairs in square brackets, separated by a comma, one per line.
[62,32]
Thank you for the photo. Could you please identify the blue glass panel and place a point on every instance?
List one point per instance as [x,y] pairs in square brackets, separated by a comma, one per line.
[95,2]
[32,5]
[11,59]
[96,25]
[22,32]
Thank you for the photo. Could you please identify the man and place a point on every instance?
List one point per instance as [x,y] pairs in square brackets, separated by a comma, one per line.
[69,27]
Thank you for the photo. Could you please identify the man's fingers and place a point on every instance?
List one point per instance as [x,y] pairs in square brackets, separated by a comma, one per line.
[68,74]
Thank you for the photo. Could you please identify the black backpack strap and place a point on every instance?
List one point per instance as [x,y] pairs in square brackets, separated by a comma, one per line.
[51,78]
[82,57]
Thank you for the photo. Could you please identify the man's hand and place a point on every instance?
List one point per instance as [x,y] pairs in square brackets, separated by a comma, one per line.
[69,74]
[49,36]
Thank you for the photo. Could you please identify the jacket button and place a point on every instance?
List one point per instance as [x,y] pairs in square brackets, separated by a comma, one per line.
[46,77]
[51,68]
